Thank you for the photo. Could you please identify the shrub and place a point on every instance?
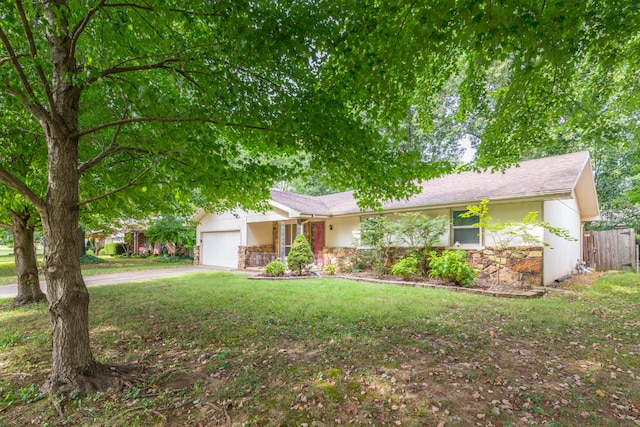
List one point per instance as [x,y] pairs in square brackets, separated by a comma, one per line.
[300,256]
[452,266]
[376,235]
[406,268]
[329,269]
[115,248]
[90,259]
[177,259]
[274,268]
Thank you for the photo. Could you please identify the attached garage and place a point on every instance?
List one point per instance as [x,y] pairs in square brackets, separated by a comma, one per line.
[220,248]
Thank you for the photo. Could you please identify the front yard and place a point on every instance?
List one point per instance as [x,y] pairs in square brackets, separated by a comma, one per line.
[218,349]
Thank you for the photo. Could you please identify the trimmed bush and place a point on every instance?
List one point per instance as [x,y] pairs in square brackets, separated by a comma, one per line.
[406,268]
[300,256]
[452,266]
[115,248]
[274,268]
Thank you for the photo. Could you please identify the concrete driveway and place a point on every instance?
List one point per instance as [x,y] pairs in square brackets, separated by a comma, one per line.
[10,291]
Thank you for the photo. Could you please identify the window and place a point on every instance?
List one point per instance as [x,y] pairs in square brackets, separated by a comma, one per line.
[463,230]
[289,236]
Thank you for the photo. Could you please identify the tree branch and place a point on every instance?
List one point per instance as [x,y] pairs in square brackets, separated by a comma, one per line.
[84,132]
[82,24]
[13,182]
[38,111]
[124,187]
[111,149]
[120,70]
[153,9]
[8,59]
[34,55]
[16,65]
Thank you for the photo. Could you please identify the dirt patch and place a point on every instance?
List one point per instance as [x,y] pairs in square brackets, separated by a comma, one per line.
[582,280]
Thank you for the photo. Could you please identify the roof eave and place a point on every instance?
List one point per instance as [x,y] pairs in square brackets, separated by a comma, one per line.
[196,217]
[292,212]
[543,196]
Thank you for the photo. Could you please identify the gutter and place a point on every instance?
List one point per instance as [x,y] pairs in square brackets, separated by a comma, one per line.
[462,203]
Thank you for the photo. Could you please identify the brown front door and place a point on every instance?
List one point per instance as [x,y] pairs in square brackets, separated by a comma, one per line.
[317,241]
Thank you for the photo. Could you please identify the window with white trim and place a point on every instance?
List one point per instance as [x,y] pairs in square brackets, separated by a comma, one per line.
[463,230]
[289,236]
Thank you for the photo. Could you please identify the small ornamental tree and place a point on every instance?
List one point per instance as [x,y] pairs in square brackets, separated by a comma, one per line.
[173,232]
[300,256]
[376,235]
[419,232]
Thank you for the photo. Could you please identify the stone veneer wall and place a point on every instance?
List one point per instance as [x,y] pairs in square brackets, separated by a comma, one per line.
[516,264]
[255,256]
[196,255]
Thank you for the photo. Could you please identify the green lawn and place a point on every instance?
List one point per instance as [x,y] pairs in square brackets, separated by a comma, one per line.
[110,265]
[218,349]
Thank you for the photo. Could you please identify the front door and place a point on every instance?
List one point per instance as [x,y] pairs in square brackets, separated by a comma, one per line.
[317,241]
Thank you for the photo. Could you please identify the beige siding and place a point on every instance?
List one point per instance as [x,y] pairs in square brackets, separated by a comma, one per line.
[343,231]
[513,212]
[561,256]
[260,234]
[223,222]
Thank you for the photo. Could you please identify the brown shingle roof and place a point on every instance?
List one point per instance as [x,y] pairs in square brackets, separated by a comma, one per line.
[546,177]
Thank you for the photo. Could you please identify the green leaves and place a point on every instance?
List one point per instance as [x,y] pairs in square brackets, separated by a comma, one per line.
[300,255]
[451,265]
[173,230]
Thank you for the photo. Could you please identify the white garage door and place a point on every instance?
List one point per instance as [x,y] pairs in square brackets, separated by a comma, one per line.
[220,248]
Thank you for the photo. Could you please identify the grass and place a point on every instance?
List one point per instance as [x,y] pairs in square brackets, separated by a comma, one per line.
[216,348]
[110,265]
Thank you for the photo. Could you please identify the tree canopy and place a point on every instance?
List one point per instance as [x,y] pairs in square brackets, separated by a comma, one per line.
[559,63]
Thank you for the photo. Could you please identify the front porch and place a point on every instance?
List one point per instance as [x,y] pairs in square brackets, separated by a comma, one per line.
[282,234]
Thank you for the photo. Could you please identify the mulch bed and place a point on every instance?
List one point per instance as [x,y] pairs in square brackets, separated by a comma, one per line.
[482,287]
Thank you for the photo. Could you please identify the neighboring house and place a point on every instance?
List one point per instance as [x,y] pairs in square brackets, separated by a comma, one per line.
[130,232]
[560,188]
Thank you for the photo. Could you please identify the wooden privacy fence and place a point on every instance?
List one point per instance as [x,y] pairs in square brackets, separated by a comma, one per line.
[610,249]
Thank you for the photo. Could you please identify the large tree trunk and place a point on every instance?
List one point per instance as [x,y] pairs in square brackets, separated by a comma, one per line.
[73,365]
[26,262]
[68,296]
[80,239]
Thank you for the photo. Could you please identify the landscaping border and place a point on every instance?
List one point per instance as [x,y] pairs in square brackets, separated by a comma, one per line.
[536,292]
[258,277]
